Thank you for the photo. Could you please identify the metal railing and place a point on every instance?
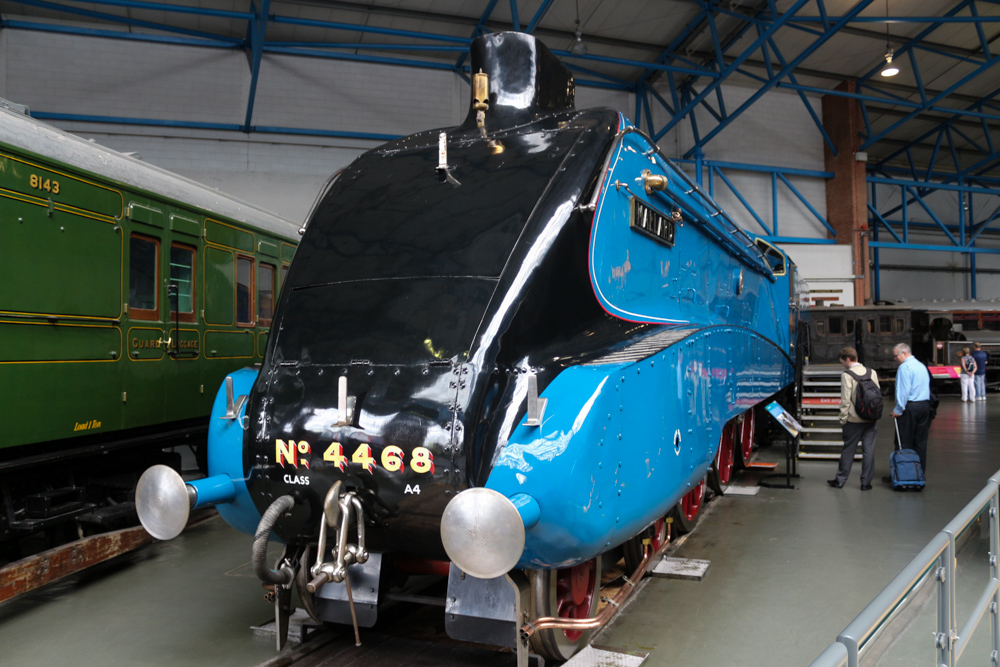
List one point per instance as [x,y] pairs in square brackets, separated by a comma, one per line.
[936,562]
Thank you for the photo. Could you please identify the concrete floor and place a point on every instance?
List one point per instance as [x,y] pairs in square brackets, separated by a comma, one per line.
[789,570]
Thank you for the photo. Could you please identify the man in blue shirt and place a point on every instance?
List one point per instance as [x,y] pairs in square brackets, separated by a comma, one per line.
[913,402]
[980,378]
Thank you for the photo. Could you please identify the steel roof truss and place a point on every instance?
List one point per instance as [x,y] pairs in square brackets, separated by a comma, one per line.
[124,20]
[829,32]
[477,31]
[258,30]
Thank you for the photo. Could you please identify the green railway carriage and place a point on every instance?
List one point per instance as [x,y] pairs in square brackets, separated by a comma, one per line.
[127,293]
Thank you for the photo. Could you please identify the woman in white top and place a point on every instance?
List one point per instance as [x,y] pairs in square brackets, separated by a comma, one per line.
[967,374]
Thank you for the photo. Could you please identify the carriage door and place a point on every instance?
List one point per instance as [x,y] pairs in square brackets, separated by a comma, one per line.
[146,335]
[184,395]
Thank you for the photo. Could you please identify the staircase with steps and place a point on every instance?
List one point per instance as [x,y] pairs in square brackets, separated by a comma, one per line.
[821,434]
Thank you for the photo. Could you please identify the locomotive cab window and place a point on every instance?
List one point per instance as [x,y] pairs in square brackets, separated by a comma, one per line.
[900,326]
[182,272]
[836,325]
[143,277]
[871,326]
[265,294]
[775,258]
[244,291]
[885,324]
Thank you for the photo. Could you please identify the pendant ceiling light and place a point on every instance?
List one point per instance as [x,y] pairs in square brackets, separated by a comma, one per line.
[889,69]
[579,48]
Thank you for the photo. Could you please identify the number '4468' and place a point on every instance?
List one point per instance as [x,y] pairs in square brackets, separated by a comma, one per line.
[421,459]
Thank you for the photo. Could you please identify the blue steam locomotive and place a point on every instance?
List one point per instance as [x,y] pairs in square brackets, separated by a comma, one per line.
[503,350]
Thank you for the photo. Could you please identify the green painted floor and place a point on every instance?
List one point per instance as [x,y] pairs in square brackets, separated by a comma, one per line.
[789,570]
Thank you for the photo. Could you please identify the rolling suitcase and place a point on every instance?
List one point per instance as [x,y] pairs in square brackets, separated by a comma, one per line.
[904,467]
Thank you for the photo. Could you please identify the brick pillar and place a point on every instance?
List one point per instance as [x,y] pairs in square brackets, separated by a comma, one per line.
[846,195]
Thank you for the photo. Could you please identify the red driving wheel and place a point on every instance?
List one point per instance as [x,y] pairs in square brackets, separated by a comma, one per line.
[746,437]
[692,500]
[575,590]
[722,469]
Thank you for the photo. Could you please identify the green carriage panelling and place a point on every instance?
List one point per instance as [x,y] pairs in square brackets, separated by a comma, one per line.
[66,264]
[227,235]
[184,225]
[229,344]
[32,342]
[73,361]
[37,185]
[220,276]
[267,248]
[145,343]
[189,346]
[55,401]
[262,343]
[147,215]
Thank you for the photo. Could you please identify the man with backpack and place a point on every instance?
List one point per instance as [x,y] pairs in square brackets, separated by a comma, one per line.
[860,409]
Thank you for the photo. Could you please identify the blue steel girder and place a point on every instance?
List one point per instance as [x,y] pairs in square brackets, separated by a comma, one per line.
[515,20]
[782,174]
[802,96]
[539,15]
[915,42]
[119,34]
[258,30]
[931,102]
[915,191]
[173,9]
[477,31]
[972,111]
[124,20]
[785,71]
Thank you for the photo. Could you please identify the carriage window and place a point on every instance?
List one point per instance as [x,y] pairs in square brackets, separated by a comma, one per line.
[836,325]
[850,327]
[143,277]
[244,291]
[885,324]
[900,325]
[265,294]
[820,327]
[969,321]
[871,326]
[182,275]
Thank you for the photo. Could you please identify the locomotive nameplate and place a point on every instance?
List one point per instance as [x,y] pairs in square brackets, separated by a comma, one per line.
[652,223]
[32,183]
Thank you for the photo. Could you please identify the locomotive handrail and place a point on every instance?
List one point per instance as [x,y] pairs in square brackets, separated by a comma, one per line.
[938,560]
[747,251]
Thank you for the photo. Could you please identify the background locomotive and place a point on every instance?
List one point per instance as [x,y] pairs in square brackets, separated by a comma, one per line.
[127,295]
[935,331]
[504,350]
